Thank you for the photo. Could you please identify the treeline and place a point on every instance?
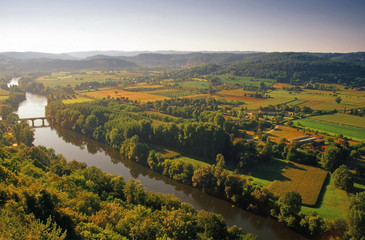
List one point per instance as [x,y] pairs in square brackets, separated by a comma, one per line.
[16,96]
[110,122]
[44,197]
[129,133]
[299,68]
[293,68]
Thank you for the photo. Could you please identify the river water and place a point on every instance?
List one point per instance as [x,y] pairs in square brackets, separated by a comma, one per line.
[76,146]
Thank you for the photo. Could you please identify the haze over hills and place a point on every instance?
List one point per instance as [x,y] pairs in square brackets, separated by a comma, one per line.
[283,66]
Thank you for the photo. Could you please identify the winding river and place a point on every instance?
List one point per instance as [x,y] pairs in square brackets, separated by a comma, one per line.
[83,149]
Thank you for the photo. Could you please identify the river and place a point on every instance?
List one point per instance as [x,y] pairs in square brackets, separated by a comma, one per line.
[76,146]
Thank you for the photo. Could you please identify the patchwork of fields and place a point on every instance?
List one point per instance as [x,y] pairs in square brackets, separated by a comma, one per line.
[332,128]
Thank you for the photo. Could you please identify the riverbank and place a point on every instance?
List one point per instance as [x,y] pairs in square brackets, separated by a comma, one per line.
[76,146]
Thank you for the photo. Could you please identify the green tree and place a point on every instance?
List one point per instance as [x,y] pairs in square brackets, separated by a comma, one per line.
[331,158]
[356,216]
[343,178]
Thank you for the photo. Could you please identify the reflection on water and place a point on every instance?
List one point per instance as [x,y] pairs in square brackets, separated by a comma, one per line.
[83,149]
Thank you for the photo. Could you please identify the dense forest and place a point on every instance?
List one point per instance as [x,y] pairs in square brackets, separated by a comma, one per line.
[44,197]
[132,133]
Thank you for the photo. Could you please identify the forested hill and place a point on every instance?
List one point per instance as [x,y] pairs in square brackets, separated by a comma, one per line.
[295,68]
[28,65]
[190,59]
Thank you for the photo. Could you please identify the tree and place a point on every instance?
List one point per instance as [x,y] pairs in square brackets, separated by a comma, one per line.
[343,178]
[287,208]
[356,216]
[331,158]
[338,99]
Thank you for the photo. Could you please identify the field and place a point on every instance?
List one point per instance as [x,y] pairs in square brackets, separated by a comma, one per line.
[195,162]
[194,84]
[316,99]
[343,119]
[282,176]
[117,93]
[172,93]
[306,180]
[245,81]
[165,152]
[332,202]
[286,132]
[332,128]
[77,100]
[67,78]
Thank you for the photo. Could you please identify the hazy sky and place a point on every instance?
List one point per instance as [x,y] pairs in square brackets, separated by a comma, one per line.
[193,25]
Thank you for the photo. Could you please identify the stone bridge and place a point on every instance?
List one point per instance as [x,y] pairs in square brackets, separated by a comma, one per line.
[37,118]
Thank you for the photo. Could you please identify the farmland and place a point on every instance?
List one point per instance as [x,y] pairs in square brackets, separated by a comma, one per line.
[306,180]
[332,128]
[344,119]
[172,93]
[69,78]
[194,84]
[245,81]
[119,93]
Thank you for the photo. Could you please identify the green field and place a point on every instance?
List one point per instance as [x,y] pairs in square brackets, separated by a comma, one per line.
[332,204]
[353,132]
[245,81]
[194,84]
[342,118]
[173,93]
[77,100]
[66,78]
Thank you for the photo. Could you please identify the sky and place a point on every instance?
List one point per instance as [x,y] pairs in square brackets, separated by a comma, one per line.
[58,26]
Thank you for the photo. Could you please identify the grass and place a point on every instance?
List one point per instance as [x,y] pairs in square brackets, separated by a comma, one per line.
[165,152]
[194,84]
[332,128]
[332,203]
[77,100]
[306,180]
[193,161]
[342,118]
[286,132]
[172,93]
[245,81]
[117,93]
[73,79]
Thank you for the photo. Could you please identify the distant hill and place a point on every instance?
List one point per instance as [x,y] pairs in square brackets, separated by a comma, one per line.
[28,65]
[185,60]
[119,53]
[303,67]
[37,55]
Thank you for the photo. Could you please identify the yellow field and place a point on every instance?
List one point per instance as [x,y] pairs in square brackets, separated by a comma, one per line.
[306,180]
[118,93]
[286,132]
[143,85]
[4,92]
[77,100]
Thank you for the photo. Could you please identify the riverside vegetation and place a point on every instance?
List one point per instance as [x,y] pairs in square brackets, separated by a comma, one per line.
[225,125]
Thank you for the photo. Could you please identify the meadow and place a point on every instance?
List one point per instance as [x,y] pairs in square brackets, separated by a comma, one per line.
[194,84]
[282,176]
[64,79]
[172,93]
[245,81]
[332,128]
[342,118]
[306,180]
[332,203]
[77,100]
[118,93]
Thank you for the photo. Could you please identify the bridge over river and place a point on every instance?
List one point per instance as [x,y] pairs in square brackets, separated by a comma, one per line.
[33,119]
